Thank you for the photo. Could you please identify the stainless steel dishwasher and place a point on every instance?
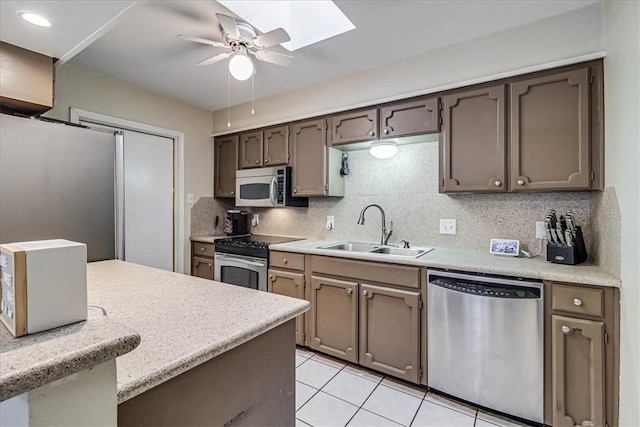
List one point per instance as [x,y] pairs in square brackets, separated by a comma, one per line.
[485,341]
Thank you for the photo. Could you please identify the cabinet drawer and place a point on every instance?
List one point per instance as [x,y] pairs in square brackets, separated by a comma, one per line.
[400,275]
[202,249]
[202,267]
[287,260]
[578,299]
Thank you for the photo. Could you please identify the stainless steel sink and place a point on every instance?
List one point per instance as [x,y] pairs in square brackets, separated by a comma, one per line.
[410,252]
[351,246]
[377,249]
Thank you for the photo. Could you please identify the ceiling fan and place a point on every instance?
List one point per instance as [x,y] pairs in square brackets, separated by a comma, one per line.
[242,41]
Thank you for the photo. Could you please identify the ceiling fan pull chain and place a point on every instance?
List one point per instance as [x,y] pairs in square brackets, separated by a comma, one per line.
[253,94]
[228,99]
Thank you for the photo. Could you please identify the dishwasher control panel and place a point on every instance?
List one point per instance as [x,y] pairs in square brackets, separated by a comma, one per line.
[485,289]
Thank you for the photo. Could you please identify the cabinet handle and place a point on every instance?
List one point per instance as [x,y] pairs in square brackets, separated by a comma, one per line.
[577,301]
[497,183]
[210,265]
[233,192]
[386,131]
[271,277]
[284,261]
[349,291]
[565,329]
[365,293]
[295,190]
[197,263]
[203,249]
[371,133]
[257,162]
[521,182]
[266,160]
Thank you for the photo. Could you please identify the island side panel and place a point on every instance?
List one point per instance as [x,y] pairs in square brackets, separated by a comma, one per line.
[252,384]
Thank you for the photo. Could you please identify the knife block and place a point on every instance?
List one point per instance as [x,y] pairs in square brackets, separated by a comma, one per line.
[568,254]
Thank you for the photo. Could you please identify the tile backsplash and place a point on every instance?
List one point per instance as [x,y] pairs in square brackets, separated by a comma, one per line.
[406,186]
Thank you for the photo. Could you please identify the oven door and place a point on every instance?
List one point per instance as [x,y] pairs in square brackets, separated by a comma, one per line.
[241,270]
[255,190]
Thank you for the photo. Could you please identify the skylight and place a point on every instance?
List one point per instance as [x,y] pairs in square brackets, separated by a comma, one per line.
[307,22]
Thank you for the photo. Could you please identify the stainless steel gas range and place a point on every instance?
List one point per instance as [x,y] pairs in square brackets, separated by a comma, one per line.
[244,261]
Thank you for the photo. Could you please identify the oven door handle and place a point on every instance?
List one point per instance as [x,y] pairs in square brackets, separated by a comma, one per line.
[244,261]
[273,190]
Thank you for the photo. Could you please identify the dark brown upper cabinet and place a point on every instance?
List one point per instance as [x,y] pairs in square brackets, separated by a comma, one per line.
[550,132]
[410,118]
[553,142]
[354,127]
[276,146]
[472,141]
[264,148]
[251,150]
[315,167]
[225,166]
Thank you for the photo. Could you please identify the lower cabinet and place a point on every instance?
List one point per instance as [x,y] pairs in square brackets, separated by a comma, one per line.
[390,331]
[289,284]
[202,267]
[578,372]
[333,317]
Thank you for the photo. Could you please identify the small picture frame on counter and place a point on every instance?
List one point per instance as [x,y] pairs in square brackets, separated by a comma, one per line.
[505,247]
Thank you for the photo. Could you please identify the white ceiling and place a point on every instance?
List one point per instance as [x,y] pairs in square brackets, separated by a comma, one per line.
[140,45]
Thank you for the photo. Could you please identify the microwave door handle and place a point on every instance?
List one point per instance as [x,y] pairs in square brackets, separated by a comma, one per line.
[273,190]
[257,264]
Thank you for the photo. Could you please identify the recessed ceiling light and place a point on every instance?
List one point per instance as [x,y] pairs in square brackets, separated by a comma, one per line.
[34,18]
[307,22]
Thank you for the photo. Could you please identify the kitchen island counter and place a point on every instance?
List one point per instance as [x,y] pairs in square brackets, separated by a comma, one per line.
[184,321]
[470,260]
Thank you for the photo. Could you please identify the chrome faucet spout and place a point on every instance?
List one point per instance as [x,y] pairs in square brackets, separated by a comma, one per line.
[386,234]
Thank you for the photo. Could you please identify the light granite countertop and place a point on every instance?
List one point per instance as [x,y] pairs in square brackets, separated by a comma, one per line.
[470,260]
[207,239]
[184,321]
[34,360]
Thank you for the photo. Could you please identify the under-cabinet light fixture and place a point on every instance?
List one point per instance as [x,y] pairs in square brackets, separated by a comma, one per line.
[34,18]
[383,149]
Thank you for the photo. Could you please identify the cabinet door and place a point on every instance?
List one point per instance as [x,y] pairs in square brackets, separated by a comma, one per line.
[202,267]
[410,118]
[251,150]
[550,132]
[291,285]
[577,372]
[390,331]
[309,141]
[472,142]
[354,127]
[276,146]
[333,318]
[226,164]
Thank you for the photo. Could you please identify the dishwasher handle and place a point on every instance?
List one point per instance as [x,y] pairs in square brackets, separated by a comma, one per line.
[485,289]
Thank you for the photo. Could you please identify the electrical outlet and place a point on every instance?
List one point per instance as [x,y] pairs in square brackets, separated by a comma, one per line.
[447,226]
[255,220]
[330,222]
[540,233]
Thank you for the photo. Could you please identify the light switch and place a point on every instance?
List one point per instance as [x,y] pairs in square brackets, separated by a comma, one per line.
[189,197]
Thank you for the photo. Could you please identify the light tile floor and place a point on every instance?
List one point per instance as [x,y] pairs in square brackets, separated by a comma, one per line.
[332,393]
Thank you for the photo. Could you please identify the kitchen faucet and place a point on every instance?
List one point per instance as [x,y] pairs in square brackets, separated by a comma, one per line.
[385,234]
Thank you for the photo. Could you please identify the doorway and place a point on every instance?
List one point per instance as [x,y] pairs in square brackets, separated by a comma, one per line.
[149,179]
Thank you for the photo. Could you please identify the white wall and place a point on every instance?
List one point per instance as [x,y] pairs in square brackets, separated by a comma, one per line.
[622,156]
[88,91]
[560,37]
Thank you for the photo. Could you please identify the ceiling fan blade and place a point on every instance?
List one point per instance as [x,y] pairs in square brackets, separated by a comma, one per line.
[215,59]
[274,57]
[229,25]
[272,38]
[203,41]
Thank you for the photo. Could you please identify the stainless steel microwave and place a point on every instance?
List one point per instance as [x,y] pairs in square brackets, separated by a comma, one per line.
[267,187]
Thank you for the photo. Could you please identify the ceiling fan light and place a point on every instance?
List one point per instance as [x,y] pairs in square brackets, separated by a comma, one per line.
[383,149]
[241,66]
